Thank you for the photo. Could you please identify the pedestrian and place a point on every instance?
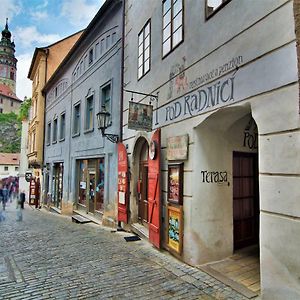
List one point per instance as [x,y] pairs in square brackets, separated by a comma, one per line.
[5,194]
[22,199]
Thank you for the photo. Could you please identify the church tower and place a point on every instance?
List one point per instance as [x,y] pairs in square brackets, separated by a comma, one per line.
[8,62]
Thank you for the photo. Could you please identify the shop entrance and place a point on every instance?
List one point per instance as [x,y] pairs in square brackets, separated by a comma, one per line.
[143,186]
[58,171]
[245,199]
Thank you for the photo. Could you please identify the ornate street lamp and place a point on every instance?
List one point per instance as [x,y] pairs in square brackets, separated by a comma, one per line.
[103,120]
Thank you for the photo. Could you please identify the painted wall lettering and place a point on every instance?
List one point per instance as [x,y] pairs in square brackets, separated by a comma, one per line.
[251,135]
[199,100]
[214,176]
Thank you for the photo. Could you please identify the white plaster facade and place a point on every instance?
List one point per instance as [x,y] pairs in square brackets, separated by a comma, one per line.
[239,64]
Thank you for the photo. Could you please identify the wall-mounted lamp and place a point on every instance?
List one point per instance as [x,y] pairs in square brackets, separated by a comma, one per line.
[103,120]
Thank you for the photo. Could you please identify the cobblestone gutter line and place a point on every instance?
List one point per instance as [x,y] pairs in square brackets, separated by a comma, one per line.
[14,272]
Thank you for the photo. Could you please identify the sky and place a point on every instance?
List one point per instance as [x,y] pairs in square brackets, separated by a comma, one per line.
[39,23]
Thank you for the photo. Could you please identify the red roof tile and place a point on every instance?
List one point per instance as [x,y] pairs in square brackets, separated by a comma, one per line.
[7,92]
[10,159]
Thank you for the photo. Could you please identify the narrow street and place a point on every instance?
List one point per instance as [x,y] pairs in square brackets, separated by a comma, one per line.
[46,256]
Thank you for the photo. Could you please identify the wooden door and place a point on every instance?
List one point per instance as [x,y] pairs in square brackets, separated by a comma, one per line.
[245,199]
[154,191]
[143,195]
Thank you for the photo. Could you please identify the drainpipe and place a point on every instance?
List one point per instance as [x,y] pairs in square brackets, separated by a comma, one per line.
[122,79]
[43,152]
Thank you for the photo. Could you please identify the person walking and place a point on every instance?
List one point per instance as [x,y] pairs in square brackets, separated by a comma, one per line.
[5,196]
[22,199]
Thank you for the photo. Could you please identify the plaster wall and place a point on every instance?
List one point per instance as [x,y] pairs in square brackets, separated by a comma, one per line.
[260,36]
[78,86]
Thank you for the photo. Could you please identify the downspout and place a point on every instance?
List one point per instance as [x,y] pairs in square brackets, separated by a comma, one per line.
[122,78]
[122,71]
[43,152]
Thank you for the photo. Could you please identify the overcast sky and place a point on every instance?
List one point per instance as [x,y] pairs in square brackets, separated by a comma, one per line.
[39,23]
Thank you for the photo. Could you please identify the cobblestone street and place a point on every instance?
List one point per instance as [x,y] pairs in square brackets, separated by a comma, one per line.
[46,256]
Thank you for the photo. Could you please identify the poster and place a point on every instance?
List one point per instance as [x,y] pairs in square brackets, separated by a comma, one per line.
[175,183]
[175,225]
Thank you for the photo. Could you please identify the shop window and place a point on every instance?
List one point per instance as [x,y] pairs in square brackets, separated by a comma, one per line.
[76,120]
[144,50]
[89,113]
[62,129]
[54,137]
[212,6]
[91,184]
[106,99]
[172,25]
[48,133]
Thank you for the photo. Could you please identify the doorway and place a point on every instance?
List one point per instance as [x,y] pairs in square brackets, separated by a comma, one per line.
[245,200]
[143,186]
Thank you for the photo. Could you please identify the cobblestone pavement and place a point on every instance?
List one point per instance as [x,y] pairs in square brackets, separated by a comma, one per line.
[46,256]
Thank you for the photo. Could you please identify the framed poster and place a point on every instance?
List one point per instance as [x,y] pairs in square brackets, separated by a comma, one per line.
[175,183]
[175,229]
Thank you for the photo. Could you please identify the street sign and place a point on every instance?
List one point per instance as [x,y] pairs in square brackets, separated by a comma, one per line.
[28,176]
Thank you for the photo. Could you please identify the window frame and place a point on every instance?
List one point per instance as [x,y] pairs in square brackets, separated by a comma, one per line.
[209,15]
[54,131]
[62,137]
[77,133]
[143,51]
[101,102]
[89,112]
[172,48]
[49,130]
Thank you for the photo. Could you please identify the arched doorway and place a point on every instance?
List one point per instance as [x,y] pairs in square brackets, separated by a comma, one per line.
[225,212]
[142,193]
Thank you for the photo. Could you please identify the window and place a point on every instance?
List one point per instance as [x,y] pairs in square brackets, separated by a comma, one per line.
[12,75]
[106,99]
[102,46]
[89,113]
[16,168]
[62,129]
[1,100]
[144,50]
[76,120]
[172,25]
[48,133]
[107,41]
[113,37]
[97,49]
[1,110]
[33,142]
[214,5]
[54,137]
[11,103]
[91,56]
[5,168]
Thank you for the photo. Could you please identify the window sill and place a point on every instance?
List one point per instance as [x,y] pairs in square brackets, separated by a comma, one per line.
[88,130]
[75,134]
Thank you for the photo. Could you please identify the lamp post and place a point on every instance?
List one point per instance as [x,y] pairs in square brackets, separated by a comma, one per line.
[103,120]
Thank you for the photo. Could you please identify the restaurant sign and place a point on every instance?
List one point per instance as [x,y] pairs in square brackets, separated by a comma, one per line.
[177,147]
[140,116]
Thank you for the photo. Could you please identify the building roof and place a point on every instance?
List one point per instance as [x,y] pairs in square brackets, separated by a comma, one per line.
[10,159]
[105,6]
[6,91]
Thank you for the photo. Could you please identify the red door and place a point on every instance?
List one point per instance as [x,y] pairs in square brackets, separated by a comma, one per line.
[245,199]
[122,184]
[154,192]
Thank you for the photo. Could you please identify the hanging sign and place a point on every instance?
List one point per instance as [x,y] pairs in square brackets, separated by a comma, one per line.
[140,116]
[32,191]
[122,184]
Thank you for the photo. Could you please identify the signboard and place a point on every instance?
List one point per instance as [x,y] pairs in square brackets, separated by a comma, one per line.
[175,183]
[122,183]
[140,116]
[32,191]
[28,176]
[175,229]
[177,147]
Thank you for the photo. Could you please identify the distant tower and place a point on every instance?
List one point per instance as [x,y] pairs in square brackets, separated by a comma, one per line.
[8,62]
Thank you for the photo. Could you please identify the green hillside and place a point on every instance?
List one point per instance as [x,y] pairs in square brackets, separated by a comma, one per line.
[10,133]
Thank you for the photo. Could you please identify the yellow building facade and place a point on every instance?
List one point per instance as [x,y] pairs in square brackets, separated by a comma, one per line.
[44,62]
